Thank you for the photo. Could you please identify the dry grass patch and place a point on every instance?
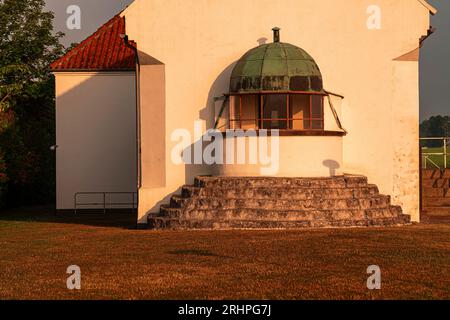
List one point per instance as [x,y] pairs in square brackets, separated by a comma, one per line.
[121,263]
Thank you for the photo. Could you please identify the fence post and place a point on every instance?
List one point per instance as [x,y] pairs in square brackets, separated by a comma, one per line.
[445,153]
[75,202]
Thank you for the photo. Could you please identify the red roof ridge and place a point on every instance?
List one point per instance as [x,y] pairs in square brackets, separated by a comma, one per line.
[104,50]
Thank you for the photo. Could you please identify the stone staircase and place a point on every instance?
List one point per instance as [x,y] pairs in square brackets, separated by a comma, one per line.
[436,195]
[278,203]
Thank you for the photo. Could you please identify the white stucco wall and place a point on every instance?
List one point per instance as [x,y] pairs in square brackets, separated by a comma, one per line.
[95,135]
[406,175]
[298,157]
[198,42]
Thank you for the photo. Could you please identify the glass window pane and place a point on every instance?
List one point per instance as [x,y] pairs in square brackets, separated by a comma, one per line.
[317,125]
[249,125]
[317,107]
[300,110]
[300,106]
[275,124]
[275,107]
[234,112]
[235,107]
[307,124]
[301,124]
[249,111]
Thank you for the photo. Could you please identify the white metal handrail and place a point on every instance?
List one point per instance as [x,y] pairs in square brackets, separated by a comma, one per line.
[445,153]
[104,203]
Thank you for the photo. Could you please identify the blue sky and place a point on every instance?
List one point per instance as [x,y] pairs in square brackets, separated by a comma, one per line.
[435,55]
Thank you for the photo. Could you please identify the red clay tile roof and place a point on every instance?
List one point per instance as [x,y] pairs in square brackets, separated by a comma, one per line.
[105,50]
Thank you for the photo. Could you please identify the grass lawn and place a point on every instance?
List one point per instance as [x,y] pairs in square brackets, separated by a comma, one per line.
[120,263]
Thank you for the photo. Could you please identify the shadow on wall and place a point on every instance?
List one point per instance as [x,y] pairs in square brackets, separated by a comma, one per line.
[96,135]
[262,41]
[145,59]
[219,87]
[152,114]
[333,166]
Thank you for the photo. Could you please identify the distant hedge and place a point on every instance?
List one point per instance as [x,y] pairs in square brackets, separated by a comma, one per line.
[435,127]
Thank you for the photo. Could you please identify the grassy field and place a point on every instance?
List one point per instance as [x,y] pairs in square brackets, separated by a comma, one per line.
[120,263]
[437,159]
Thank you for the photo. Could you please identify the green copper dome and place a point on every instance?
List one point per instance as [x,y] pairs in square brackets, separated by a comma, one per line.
[276,67]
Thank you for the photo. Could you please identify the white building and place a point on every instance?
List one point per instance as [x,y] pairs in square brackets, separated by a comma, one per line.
[347,102]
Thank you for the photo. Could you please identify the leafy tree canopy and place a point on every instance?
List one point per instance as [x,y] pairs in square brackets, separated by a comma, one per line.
[26,35]
[27,47]
[437,126]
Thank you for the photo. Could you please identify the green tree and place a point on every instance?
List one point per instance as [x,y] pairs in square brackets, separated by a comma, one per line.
[27,103]
[435,127]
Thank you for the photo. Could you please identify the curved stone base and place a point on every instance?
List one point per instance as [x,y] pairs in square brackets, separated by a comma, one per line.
[286,156]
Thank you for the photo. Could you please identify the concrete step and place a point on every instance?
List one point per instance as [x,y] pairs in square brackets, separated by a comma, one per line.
[436,211]
[435,174]
[436,183]
[429,192]
[436,202]
[434,219]
[266,182]
[179,201]
[431,173]
[261,202]
[216,203]
[282,192]
[169,212]
[188,191]
[164,223]
[280,214]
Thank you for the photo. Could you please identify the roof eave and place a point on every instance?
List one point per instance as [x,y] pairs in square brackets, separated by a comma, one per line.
[91,70]
[104,50]
[432,9]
